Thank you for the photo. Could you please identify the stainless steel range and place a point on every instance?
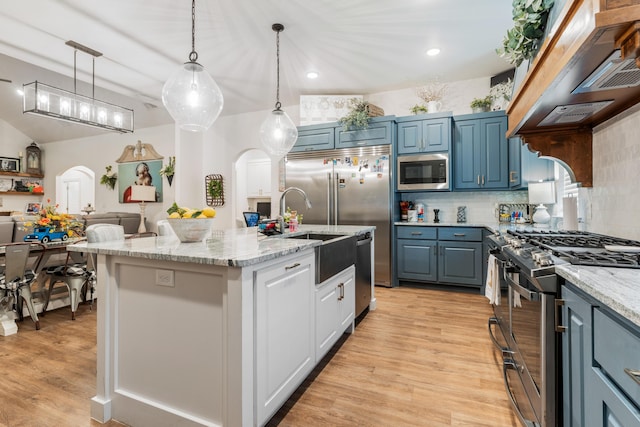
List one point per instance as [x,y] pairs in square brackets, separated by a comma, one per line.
[529,321]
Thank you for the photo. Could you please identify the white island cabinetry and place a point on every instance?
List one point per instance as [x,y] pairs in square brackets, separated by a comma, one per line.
[284,332]
[335,310]
[214,333]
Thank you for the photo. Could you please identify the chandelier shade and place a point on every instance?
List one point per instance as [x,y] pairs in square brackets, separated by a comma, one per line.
[278,133]
[49,101]
[191,96]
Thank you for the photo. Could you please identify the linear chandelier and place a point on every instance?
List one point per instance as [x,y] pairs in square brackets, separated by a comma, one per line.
[49,101]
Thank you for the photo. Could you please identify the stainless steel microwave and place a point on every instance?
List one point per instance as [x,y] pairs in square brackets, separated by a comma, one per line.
[423,172]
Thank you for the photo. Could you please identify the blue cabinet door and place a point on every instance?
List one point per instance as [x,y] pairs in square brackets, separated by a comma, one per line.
[460,263]
[481,153]
[515,163]
[379,132]
[314,137]
[424,136]
[416,259]
[495,153]
[576,357]
[466,155]
[534,168]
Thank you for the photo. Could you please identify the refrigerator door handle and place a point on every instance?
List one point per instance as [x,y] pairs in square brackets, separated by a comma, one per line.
[335,199]
[329,198]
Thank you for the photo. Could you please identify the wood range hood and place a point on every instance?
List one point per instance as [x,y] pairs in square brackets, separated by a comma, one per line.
[586,72]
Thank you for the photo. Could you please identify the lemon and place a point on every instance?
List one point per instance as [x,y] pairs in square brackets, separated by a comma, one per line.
[174,215]
[187,214]
[209,212]
[201,216]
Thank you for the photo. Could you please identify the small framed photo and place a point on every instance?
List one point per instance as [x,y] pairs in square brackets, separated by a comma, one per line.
[32,208]
[9,164]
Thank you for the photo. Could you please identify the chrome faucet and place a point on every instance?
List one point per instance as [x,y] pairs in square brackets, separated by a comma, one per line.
[307,202]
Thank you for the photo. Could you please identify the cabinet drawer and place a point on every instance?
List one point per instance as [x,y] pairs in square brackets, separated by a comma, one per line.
[615,348]
[467,234]
[314,139]
[375,134]
[408,232]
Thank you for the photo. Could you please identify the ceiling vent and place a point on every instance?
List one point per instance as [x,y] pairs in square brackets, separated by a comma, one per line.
[613,73]
[572,113]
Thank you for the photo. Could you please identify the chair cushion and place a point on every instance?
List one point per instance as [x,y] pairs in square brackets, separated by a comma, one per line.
[68,270]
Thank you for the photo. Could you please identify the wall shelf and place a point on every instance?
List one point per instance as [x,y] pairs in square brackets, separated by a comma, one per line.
[21,174]
[21,193]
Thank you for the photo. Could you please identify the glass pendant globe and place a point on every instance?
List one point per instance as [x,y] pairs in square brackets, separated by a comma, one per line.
[278,133]
[192,97]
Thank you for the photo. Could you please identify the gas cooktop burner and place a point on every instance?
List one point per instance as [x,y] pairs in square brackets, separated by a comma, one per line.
[577,247]
[603,259]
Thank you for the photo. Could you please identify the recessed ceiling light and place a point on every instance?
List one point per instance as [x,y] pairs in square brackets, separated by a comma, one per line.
[433,52]
[312,75]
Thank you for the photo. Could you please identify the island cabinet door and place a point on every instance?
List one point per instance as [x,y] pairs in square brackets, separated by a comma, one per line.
[284,352]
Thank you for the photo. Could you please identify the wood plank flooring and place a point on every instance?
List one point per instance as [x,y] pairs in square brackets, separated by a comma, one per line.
[423,358]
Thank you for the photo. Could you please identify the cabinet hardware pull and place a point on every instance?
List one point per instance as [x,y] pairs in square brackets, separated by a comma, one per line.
[297,264]
[361,143]
[559,328]
[511,176]
[482,179]
[633,373]
[341,294]
[478,179]
[459,234]
[422,143]
[416,233]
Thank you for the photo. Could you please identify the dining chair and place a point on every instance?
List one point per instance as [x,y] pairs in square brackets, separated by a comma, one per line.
[79,271]
[18,275]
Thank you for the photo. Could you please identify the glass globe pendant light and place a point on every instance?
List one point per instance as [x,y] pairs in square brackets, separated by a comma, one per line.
[278,133]
[191,96]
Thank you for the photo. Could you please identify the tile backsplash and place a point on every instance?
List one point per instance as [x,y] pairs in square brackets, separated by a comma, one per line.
[481,205]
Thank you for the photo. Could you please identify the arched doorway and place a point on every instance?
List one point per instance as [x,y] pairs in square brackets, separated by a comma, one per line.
[75,189]
[252,183]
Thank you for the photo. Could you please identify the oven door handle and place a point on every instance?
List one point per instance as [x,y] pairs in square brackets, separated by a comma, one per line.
[524,292]
[494,321]
[511,364]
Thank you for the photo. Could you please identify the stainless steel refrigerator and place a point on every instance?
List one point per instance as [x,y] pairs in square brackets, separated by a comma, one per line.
[350,186]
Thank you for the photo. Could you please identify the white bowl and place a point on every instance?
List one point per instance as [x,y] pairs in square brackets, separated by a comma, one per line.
[191,229]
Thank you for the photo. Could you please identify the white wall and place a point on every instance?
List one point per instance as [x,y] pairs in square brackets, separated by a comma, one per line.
[100,151]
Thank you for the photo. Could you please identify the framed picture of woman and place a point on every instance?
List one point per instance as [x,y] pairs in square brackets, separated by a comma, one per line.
[9,164]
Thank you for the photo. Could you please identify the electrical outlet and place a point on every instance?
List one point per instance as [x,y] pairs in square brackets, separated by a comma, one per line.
[165,278]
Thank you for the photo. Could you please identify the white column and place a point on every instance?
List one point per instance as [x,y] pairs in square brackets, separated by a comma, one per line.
[189,176]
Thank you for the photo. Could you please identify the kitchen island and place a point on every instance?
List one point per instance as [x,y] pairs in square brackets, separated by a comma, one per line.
[214,333]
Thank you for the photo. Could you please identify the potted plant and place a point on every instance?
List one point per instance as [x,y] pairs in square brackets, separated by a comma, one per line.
[109,178]
[480,105]
[169,169]
[432,94]
[418,109]
[529,21]
[357,117]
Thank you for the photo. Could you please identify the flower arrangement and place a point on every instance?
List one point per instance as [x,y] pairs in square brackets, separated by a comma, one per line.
[48,216]
[287,216]
[432,91]
[357,117]
[109,178]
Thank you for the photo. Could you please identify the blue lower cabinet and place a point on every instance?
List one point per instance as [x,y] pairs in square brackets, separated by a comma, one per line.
[444,255]
[460,263]
[416,259]
[599,363]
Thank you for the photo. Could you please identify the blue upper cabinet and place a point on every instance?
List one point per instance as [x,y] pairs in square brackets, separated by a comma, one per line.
[419,134]
[379,132]
[526,167]
[481,152]
[315,137]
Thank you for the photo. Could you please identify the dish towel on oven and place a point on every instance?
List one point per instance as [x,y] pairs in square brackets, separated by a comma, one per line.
[492,284]
[516,296]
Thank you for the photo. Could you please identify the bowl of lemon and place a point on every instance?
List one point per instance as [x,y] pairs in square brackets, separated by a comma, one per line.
[191,225]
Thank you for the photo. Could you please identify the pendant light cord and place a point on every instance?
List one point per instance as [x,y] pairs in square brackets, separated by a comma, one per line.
[278,28]
[193,55]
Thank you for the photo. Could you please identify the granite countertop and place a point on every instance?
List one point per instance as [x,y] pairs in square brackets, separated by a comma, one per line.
[232,248]
[617,288]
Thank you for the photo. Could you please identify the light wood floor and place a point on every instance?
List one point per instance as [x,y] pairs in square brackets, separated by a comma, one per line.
[423,358]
